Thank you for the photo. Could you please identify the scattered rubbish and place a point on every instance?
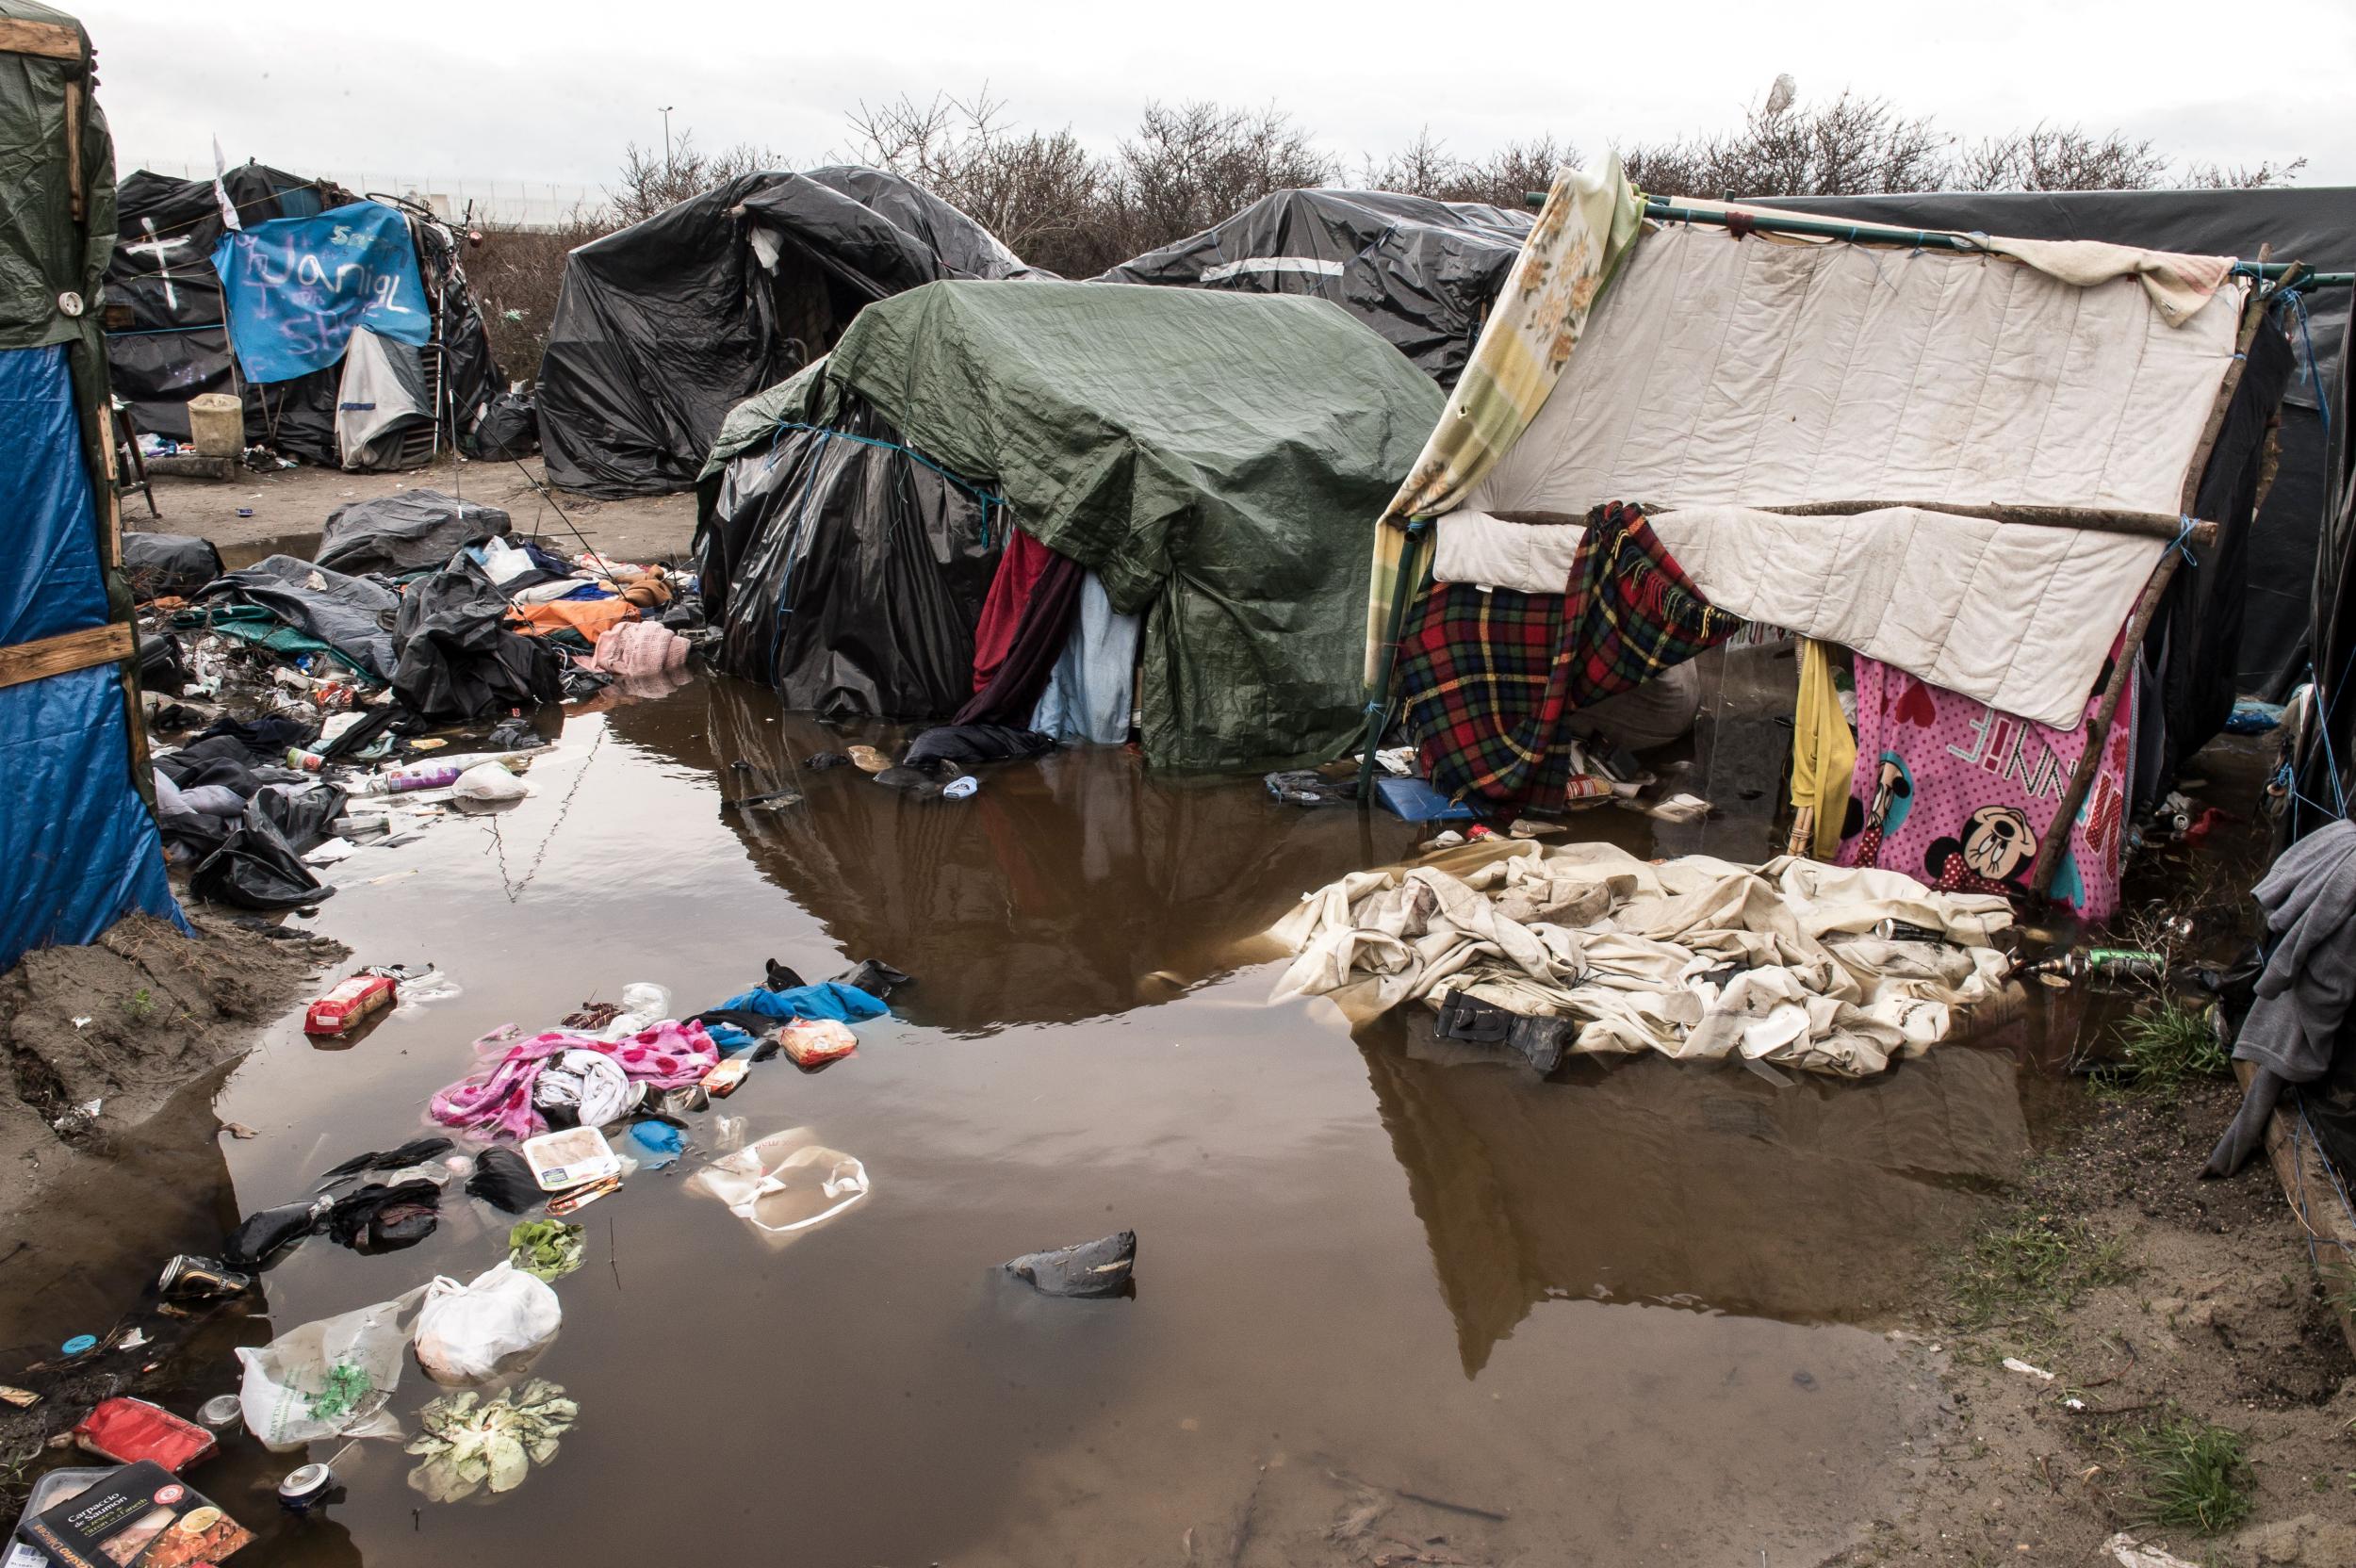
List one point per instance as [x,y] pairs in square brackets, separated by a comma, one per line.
[329,851]
[130,1430]
[1447,840]
[2130,1553]
[329,1378]
[1413,800]
[190,1277]
[134,1340]
[239,1130]
[82,1022]
[384,1216]
[1399,761]
[868,760]
[79,1344]
[2252,717]
[1675,809]
[23,1399]
[503,1179]
[1308,787]
[2109,963]
[220,1413]
[774,800]
[582,1089]
[1804,1379]
[1100,1267]
[262,1238]
[728,1132]
[304,1487]
[547,1250]
[819,761]
[466,1332]
[400,1157]
[723,1080]
[468,1443]
[343,1007]
[488,784]
[136,1514]
[2013,1364]
[875,978]
[570,1158]
[814,1042]
[658,1143]
[1526,827]
[784,1183]
[576,1199]
[960,788]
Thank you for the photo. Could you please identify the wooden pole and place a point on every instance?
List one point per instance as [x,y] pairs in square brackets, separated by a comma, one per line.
[2150,525]
[2056,839]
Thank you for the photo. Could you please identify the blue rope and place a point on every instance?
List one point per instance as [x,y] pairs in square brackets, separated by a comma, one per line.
[2312,372]
[2183,543]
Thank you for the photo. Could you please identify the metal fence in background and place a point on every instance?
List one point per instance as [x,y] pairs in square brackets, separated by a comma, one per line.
[507,203]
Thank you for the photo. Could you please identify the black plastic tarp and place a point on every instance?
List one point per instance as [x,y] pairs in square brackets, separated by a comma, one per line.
[847,574]
[457,658]
[404,533]
[349,614]
[663,327]
[156,564]
[1421,272]
[2315,225]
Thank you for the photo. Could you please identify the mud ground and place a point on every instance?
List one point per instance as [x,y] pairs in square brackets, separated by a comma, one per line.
[293,503]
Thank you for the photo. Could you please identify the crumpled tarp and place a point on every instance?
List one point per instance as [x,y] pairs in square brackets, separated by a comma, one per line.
[1420,271]
[405,532]
[662,327]
[458,659]
[158,564]
[348,613]
[1694,957]
[1214,458]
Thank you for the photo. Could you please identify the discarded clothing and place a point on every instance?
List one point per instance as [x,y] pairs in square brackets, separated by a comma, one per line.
[962,745]
[503,1178]
[342,611]
[1020,565]
[826,998]
[259,864]
[1695,958]
[1099,1267]
[874,977]
[638,649]
[265,1236]
[458,659]
[1490,679]
[592,618]
[1020,672]
[1824,755]
[1948,790]
[416,1152]
[379,1217]
[497,1097]
[2309,898]
[582,1088]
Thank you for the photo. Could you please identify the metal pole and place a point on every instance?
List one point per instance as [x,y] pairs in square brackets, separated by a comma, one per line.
[665,112]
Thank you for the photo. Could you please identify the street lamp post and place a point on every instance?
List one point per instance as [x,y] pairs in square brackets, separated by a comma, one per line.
[665,112]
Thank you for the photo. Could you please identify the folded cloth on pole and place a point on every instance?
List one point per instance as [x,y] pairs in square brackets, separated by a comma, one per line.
[1694,957]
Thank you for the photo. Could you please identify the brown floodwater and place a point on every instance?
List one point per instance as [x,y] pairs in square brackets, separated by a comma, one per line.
[1635,1315]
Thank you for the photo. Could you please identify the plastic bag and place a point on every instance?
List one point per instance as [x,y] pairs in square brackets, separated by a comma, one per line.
[488,783]
[785,1184]
[644,1005]
[464,1332]
[332,1378]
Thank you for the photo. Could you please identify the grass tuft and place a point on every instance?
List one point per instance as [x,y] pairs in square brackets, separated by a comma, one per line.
[2034,1268]
[2169,1044]
[2196,1476]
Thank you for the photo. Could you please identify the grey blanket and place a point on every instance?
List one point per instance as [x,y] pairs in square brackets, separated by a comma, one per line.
[2309,898]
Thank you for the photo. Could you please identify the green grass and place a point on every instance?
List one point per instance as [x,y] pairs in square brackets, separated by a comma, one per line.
[2033,1267]
[2169,1044]
[2196,1476]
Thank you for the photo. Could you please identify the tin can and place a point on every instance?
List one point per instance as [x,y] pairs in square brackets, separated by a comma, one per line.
[303,761]
[190,1277]
[220,1413]
[304,1489]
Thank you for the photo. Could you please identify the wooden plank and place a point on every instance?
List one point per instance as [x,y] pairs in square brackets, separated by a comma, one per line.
[62,654]
[77,196]
[2299,1165]
[52,41]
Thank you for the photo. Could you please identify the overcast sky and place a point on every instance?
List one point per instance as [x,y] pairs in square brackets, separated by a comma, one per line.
[526,90]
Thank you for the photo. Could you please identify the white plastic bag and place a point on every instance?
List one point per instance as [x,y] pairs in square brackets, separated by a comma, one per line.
[488,783]
[464,1332]
[332,1378]
[785,1184]
[644,1005]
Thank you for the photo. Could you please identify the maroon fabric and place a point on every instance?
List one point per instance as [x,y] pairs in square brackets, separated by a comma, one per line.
[1029,660]
[1010,590]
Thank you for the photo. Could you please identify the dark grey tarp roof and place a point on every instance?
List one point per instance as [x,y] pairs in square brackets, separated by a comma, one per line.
[663,327]
[1420,272]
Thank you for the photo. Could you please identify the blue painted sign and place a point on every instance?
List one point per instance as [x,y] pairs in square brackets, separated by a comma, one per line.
[298,287]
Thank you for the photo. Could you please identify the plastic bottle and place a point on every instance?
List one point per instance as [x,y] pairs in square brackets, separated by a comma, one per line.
[405,777]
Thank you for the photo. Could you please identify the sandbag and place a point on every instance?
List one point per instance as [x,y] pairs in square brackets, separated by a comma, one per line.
[464,1333]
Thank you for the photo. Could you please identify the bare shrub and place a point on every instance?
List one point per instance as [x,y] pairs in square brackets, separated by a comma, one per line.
[517,274]
[1852,146]
[2059,157]
[652,181]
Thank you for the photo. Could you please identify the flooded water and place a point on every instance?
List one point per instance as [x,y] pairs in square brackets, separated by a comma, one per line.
[1385,1304]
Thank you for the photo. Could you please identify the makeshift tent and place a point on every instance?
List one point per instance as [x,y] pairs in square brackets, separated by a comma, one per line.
[1421,272]
[1970,465]
[78,849]
[2238,620]
[663,327]
[1210,458]
[167,326]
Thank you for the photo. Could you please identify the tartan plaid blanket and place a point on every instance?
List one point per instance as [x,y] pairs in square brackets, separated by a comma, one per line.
[1491,679]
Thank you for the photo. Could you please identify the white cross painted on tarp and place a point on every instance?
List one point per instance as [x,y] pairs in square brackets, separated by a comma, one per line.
[155,246]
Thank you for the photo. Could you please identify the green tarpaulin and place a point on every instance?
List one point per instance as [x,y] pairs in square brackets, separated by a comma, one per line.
[1217,459]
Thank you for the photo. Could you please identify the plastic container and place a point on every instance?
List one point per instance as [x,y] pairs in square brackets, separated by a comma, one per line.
[342,1008]
[128,1430]
[405,777]
[56,1487]
[216,424]
[570,1157]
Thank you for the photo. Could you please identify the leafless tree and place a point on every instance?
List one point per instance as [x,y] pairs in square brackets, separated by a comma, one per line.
[1039,191]
[2217,176]
[651,181]
[2059,157]
[1852,145]
[1504,178]
[1192,164]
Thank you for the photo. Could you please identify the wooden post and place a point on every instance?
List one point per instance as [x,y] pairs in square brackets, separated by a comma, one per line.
[2098,730]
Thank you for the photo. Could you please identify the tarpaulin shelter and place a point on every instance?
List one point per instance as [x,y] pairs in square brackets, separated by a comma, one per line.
[1421,272]
[79,848]
[1209,457]
[664,326]
[169,328]
[1973,460]
[2238,620]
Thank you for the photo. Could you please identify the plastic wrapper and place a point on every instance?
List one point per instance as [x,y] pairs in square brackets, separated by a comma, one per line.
[784,1184]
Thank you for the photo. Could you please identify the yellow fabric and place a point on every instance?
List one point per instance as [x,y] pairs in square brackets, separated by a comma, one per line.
[1824,752]
[1589,223]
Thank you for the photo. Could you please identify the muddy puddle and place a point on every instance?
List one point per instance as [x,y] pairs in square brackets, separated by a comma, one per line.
[1386,1304]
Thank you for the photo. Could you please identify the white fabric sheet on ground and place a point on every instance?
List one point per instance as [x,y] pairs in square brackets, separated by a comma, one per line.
[1590,932]
[2020,618]
[1092,691]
